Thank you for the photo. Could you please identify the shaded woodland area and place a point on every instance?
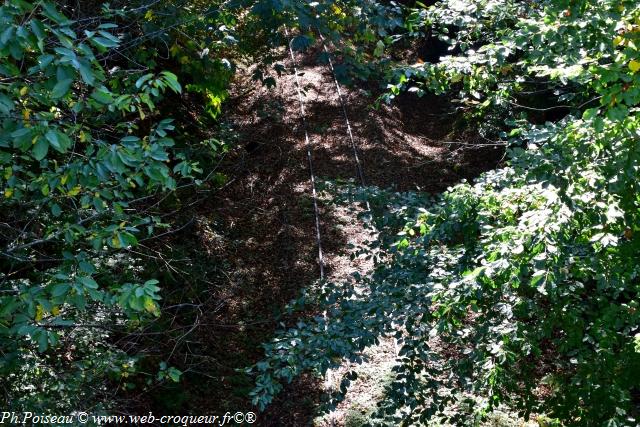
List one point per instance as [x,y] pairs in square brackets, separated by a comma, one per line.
[341,213]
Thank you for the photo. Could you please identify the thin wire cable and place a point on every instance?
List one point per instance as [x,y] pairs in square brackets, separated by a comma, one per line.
[354,146]
[308,146]
[351,138]
[325,315]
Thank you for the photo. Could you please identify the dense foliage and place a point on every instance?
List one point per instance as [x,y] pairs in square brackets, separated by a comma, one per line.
[523,287]
[88,154]
[109,131]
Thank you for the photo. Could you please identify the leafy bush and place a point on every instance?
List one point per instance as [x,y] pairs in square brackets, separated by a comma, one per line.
[524,286]
[85,153]
[108,120]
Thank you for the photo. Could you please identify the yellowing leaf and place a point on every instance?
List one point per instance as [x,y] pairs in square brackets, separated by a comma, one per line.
[39,313]
[8,192]
[24,91]
[634,65]
[74,191]
[55,310]
[151,306]
[149,15]
[618,40]
[26,114]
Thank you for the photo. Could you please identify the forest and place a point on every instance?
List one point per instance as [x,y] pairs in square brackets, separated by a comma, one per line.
[320,213]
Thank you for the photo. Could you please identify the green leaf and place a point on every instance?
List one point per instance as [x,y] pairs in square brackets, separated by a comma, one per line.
[301,42]
[52,13]
[7,34]
[61,88]
[43,340]
[150,306]
[172,81]
[174,374]
[86,73]
[590,113]
[60,289]
[38,29]
[379,50]
[6,104]
[45,60]
[143,79]
[40,149]
[56,210]
[104,43]
[102,95]
[86,267]
[88,282]
[58,140]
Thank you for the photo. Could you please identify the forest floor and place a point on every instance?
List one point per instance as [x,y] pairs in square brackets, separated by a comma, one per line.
[268,251]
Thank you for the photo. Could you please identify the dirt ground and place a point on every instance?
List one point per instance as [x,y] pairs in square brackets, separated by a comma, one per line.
[259,231]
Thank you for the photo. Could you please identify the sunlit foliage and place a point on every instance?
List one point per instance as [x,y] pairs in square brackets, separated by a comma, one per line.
[523,287]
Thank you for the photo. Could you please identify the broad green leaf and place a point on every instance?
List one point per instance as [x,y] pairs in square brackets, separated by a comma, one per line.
[102,95]
[88,282]
[40,148]
[86,73]
[6,104]
[143,79]
[58,140]
[61,88]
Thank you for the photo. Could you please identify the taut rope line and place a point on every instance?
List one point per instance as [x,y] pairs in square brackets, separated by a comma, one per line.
[308,146]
